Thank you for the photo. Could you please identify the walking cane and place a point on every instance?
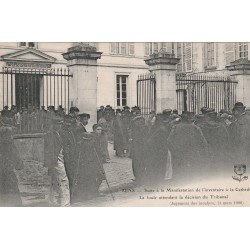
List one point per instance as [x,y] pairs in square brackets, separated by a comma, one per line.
[103,171]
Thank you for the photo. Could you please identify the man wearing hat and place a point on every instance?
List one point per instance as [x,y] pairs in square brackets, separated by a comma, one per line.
[120,134]
[69,144]
[240,130]
[188,147]
[217,137]
[54,161]
[138,154]
[83,120]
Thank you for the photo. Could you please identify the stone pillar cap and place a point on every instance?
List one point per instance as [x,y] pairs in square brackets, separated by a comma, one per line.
[162,57]
[82,51]
[240,64]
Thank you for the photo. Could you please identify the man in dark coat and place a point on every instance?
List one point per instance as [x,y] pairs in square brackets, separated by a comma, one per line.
[139,132]
[120,135]
[188,147]
[54,161]
[157,148]
[89,171]
[217,137]
[9,159]
[240,130]
[69,145]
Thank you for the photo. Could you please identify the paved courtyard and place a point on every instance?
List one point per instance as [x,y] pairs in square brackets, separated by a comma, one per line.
[35,188]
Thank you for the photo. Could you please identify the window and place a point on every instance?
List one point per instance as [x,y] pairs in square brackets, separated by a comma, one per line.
[164,46]
[188,57]
[121,90]
[131,48]
[155,50]
[29,44]
[243,50]
[179,55]
[210,55]
[115,48]
[151,48]
[147,49]
[122,48]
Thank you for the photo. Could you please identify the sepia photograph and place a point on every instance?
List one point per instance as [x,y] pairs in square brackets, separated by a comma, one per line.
[124,125]
[107,124]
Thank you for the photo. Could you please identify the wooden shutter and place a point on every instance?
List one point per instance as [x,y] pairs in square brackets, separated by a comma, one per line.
[179,55]
[147,49]
[131,48]
[229,53]
[188,57]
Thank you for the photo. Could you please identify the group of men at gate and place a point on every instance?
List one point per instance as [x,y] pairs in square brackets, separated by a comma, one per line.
[185,147]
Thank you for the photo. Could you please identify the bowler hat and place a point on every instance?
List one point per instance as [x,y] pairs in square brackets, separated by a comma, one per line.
[239,105]
[84,115]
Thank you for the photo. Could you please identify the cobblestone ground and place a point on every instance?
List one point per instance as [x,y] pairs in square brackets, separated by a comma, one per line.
[120,178]
[35,189]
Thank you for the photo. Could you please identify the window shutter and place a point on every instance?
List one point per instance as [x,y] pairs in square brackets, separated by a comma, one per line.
[229,53]
[169,48]
[205,55]
[131,48]
[188,57]
[179,55]
[147,49]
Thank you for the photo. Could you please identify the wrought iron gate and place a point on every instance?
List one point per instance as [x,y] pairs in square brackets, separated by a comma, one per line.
[146,93]
[24,87]
[197,91]
[30,88]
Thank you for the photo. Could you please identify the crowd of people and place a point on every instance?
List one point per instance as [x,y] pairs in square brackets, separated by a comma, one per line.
[163,146]
[32,119]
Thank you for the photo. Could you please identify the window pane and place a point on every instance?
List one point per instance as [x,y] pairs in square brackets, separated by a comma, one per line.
[31,44]
[124,102]
[123,87]
[118,94]
[123,48]
[124,79]
[117,79]
[131,49]
[164,46]
[118,102]
[118,86]
[155,47]
[22,44]
[146,49]
[124,95]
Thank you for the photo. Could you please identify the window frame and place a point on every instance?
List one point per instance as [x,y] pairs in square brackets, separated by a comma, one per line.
[121,84]
[122,48]
[244,51]
[27,44]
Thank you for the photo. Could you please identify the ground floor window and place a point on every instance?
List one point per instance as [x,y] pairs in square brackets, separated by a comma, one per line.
[121,90]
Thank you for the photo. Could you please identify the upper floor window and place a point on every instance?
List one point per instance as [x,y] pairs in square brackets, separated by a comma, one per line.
[210,55]
[27,44]
[243,50]
[122,48]
[151,48]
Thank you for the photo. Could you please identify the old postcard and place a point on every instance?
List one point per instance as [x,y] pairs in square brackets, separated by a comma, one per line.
[125,124]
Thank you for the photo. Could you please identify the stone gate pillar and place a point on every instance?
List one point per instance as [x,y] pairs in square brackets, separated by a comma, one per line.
[240,69]
[164,66]
[82,62]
